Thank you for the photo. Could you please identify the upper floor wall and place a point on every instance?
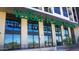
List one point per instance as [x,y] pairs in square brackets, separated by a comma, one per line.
[66,13]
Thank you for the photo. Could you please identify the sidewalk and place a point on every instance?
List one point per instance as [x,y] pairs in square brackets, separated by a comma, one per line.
[74,49]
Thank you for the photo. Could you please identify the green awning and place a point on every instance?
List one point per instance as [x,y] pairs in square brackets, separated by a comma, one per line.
[30,15]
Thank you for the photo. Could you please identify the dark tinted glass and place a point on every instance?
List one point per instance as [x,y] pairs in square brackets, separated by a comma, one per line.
[57,10]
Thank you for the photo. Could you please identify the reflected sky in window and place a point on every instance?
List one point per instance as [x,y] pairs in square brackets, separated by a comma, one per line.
[11,33]
[30,38]
[8,38]
[58,34]
[46,38]
[36,40]
[17,38]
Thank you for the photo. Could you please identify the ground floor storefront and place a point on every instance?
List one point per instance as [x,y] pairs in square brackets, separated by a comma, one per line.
[24,33]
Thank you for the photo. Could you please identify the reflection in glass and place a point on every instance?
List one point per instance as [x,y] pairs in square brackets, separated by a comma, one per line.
[12,34]
[47,35]
[35,27]
[58,35]
[33,35]
[12,25]
[36,41]
[46,41]
[50,41]
[8,41]
[57,10]
[65,11]
[66,32]
[30,28]
[16,41]
[30,41]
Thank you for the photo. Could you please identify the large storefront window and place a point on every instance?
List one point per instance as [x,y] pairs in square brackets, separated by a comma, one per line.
[66,32]
[48,35]
[12,33]
[33,34]
[57,10]
[58,35]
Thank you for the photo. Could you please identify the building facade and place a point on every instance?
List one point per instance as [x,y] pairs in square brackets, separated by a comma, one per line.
[37,27]
[76,9]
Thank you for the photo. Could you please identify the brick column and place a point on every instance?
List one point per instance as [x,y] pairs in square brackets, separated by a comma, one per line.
[2,29]
[24,33]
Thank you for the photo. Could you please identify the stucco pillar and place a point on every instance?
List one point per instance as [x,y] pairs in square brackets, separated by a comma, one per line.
[69,32]
[41,34]
[54,35]
[2,29]
[24,33]
[62,33]
[76,33]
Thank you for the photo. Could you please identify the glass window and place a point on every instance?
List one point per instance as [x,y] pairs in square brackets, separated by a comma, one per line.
[30,41]
[12,33]
[8,41]
[74,13]
[8,38]
[50,40]
[36,41]
[70,13]
[58,35]
[33,35]
[12,25]
[35,27]
[65,11]
[9,25]
[16,26]
[66,32]
[16,41]
[46,9]
[57,10]
[48,35]
[51,9]
[30,28]
[46,41]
